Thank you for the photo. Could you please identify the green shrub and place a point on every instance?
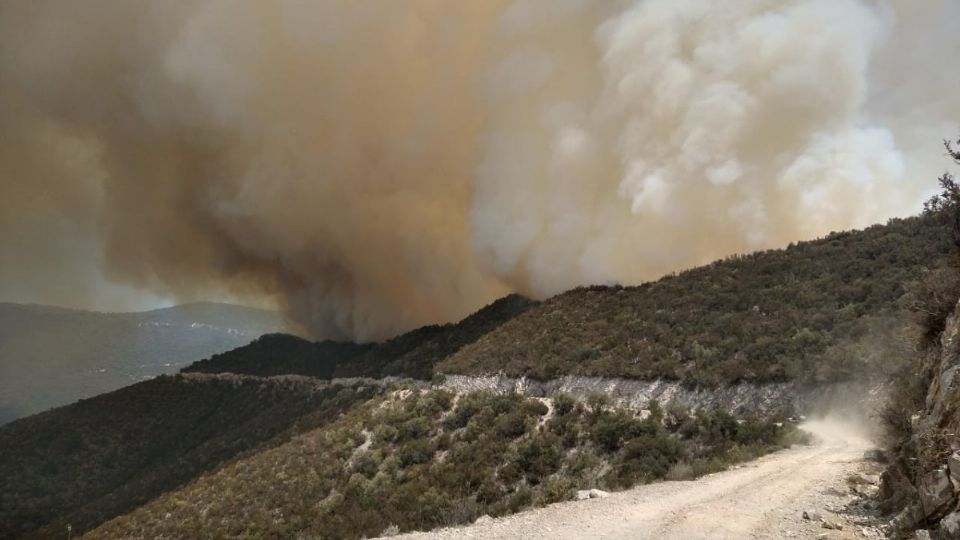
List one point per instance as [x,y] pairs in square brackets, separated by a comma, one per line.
[681,470]
[566,427]
[597,401]
[521,499]
[415,452]
[610,430]
[932,299]
[556,490]
[534,407]
[540,456]
[564,404]
[385,434]
[414,428]
[491,492]
[511,425]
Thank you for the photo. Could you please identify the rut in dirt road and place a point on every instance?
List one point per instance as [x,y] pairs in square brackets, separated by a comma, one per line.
[762,499]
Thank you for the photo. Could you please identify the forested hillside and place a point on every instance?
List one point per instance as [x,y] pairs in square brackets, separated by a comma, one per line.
[409,355]
[816,311]
[102,457]
[806,312]
[418,459]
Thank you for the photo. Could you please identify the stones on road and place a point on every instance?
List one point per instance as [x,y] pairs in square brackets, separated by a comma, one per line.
[832,525]
[585,494]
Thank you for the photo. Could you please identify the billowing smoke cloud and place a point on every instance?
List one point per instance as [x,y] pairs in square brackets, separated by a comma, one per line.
[372,166]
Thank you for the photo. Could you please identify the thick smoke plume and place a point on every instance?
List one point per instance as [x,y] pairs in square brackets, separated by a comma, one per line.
[372,166]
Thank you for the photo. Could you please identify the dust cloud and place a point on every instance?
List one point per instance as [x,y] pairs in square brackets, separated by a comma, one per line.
[373,166]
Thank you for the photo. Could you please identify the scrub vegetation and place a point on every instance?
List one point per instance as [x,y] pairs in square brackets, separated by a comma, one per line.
[102,457]
[419,459]
[814,312]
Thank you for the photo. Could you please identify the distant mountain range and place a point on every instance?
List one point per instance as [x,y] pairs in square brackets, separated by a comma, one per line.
[52,356]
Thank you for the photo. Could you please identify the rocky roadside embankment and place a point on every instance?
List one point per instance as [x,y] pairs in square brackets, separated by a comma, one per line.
[926,473]
[739,399]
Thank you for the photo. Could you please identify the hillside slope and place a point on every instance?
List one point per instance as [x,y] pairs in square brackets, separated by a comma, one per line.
[805,312]
[821,311]
[815,312]
[102,457]
[418,459]
[409,355]
[921,485]
[53,356]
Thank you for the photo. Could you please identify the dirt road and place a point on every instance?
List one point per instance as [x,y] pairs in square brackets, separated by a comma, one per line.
[762,499]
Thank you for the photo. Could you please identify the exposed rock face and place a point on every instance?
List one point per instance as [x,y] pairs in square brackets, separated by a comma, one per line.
[738,399]
[953,464]
[950,526]
[936,493]
[932,478]
[907,520]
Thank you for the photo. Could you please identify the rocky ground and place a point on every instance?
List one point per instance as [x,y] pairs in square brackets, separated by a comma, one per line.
[819,491]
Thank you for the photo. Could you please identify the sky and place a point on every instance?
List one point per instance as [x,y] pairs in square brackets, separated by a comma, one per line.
[368,167]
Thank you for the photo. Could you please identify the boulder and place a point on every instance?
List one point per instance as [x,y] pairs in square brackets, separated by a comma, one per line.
[922,534]
[863,479]
[483,519]
[865,490]
[584,494]
[936,492]
[598,494]
[953,465]
[812,515]
[907,520]
[831,524]
[950,527]
[893,482]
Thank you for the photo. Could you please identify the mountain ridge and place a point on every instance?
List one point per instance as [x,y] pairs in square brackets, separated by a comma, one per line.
[805,312]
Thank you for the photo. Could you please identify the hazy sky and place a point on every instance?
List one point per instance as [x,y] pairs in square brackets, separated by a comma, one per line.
[371,166]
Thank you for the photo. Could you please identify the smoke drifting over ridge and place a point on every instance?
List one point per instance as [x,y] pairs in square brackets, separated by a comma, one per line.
[373,166]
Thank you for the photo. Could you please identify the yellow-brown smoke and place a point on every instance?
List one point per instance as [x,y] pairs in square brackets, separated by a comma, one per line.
[374,165]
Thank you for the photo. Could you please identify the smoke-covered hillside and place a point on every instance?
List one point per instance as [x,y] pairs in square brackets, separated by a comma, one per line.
[410,355]
[820,311]
[52,356]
